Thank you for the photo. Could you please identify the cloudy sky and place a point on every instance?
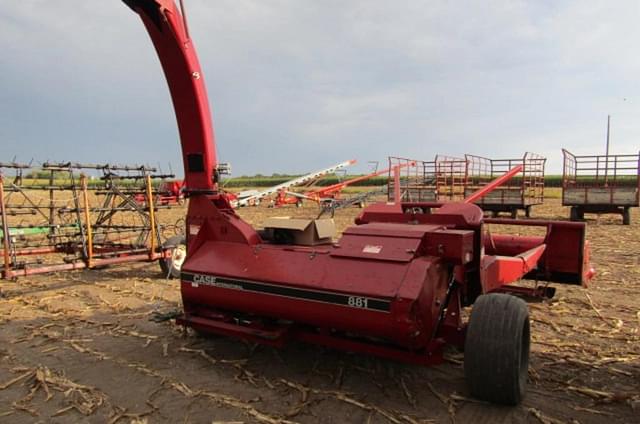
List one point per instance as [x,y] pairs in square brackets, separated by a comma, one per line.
[296,85]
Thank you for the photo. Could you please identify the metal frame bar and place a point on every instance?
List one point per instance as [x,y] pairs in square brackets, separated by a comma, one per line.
[5,231]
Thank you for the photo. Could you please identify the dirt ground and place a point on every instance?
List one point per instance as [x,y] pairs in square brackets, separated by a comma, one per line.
[81,347]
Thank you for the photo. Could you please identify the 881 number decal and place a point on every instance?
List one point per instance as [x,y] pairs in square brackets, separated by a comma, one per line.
[358,302]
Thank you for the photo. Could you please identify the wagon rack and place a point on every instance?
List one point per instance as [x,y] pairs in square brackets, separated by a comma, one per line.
[600,184]
[521,193]
[66,220]
[442,179]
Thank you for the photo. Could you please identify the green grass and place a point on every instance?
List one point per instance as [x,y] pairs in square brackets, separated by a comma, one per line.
[272,181]
[267,181]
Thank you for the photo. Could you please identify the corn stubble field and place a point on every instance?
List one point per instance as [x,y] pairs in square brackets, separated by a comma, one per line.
[81,347]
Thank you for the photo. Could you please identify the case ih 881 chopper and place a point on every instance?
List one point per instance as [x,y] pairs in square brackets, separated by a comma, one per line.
[393,285]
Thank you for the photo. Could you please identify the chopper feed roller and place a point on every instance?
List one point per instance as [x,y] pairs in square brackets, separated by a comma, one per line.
[392,286]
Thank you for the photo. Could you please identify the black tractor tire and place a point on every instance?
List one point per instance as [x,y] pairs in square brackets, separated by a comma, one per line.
[172,265]
[573,214]
[496,352]
[626,216]
[514,214]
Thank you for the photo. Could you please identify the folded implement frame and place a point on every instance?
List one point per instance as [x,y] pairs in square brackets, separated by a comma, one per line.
[56,217]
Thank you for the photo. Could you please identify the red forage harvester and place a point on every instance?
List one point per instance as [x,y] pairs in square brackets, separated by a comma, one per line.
[392,285]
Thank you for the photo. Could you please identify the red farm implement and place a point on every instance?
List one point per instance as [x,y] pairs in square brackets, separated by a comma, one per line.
[521,193]
[167,193]
[600,184]
[333,192]
[393,285]
[255,197]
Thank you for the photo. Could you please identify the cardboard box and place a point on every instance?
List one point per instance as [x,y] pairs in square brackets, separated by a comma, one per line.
[305,232]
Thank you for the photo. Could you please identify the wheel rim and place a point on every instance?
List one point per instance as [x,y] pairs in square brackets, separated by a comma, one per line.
[178,255]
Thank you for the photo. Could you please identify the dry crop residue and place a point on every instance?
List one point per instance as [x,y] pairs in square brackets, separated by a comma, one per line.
[80,347]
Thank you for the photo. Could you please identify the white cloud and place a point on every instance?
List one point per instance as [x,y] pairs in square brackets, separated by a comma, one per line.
[296,85]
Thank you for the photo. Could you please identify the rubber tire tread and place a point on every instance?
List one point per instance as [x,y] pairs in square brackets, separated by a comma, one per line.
[573,215]
[497,334]
[626,216]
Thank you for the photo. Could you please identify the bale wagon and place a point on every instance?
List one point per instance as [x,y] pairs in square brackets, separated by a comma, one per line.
[521,193]
[600,184]
[441,179]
